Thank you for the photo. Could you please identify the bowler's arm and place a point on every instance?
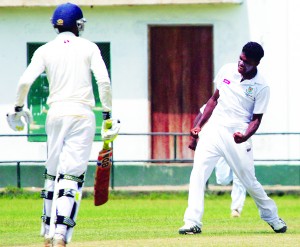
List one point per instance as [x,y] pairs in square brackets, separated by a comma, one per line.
[209,108]
[252,128]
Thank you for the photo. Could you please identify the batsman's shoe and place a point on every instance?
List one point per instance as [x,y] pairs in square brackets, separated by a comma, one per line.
[59,242]
[279,226]
[47,242]
[189,229]
[235,213]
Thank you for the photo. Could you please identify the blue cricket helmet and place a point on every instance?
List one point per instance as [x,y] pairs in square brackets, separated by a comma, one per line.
[67,16]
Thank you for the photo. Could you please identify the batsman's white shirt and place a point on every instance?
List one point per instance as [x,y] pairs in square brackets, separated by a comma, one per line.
[68,61]
[237,102]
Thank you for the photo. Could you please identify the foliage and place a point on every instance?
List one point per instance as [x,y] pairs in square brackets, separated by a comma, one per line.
[14,192]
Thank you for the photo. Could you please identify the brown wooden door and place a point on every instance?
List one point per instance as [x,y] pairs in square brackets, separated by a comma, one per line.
[181,69]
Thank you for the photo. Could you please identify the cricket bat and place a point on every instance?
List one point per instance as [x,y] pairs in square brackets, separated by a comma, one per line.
[102,175]
[104,162]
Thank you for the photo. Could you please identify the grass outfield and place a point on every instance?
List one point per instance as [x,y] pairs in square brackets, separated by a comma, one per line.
[151,220]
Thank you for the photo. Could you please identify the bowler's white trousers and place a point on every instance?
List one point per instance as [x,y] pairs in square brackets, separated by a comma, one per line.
[217,141]
[70,131]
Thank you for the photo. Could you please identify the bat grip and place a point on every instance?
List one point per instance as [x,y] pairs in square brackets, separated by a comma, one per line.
[106,145]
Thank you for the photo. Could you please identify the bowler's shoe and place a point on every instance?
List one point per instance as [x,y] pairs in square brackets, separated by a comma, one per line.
[189,229]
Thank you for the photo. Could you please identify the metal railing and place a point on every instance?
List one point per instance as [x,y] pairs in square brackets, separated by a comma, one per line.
[175,138]
[175,159]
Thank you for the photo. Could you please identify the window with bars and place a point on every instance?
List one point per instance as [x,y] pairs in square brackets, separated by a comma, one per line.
[39,91]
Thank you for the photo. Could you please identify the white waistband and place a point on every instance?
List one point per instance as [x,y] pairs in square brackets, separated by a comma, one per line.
[69,105]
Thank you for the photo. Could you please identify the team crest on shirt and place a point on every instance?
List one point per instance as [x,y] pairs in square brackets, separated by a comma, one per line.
[249,92]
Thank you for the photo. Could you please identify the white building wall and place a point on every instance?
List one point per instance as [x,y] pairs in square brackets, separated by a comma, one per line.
[272,23]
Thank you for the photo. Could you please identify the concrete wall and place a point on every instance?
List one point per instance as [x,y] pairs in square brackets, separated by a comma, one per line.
[272,23]
[30,175]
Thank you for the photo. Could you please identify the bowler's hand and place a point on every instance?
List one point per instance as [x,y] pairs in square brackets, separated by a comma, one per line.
[195,131]
[239,137]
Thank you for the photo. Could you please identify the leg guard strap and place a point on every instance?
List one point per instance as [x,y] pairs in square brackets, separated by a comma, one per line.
[46,219]
[65,221]
[47,194]
[48,176]
[67,192]
[79,180]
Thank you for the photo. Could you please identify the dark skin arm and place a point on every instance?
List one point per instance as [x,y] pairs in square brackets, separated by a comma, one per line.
[252,128]
[210,106]
[193,142]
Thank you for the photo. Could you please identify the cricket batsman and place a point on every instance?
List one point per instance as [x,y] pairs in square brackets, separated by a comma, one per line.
[68,61]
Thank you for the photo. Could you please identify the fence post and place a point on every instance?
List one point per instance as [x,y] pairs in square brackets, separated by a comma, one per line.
[18,175]
[175,146]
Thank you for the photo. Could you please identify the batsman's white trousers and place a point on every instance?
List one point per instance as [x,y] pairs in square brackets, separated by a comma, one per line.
[224,176]
[217,141]
[70,130]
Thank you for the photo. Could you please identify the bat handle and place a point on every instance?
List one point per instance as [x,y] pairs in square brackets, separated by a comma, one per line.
[106,145]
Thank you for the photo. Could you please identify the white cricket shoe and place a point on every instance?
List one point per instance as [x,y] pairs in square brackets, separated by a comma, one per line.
[189,229]
[279,226]
[59,241]
[235,213]
[47,242]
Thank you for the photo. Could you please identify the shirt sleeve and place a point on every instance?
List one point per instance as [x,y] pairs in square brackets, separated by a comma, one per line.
[104,86]
[261,101]
[219,77]
[35,68]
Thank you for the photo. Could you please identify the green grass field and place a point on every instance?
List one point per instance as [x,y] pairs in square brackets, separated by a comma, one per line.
[151,220]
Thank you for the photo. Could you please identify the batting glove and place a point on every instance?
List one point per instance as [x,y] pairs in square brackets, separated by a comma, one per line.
[110,129]
[14,120]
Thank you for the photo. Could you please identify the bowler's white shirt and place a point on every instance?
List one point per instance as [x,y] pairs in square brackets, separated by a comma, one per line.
[238,100]
[68,61]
